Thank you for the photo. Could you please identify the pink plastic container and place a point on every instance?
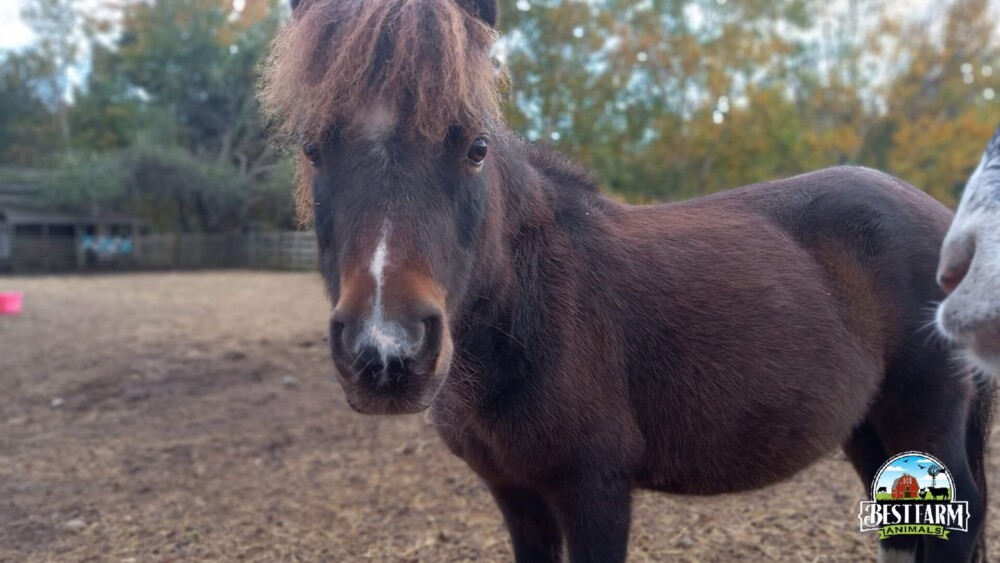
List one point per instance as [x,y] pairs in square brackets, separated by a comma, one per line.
[11,303]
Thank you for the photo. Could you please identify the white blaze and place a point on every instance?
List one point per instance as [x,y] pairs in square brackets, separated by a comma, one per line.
[377,265]
[386,336]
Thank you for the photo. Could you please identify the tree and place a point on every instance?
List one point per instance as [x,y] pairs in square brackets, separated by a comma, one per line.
[941,107]
[664,99]
[180,87]
[56,24]
[640,90]
[26,124]
[165,124]
[193,62]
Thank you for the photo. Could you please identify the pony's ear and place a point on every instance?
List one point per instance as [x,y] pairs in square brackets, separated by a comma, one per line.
[486,10]
[295,4]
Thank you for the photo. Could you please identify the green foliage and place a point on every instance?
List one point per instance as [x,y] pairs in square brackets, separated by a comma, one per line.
[664,99]
[166,125]
[939,113]
[55,22]
[174,190]
[84,182]
[26,124]
[668,99]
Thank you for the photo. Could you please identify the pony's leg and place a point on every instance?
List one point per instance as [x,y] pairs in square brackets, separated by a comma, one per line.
[965,544]
[533,529]
[866,454]
[595,512]
[930,416]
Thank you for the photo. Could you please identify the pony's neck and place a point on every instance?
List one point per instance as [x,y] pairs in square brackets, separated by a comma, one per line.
[525,245]
[527,291]
[521,204]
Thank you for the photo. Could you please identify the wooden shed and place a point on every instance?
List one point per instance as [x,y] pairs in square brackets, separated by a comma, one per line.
[32,240]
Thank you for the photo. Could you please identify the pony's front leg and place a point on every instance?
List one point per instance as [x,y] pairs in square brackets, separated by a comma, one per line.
[595,513]
[533,528]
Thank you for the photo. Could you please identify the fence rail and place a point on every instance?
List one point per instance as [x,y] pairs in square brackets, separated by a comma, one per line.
[267,250]
[281,250]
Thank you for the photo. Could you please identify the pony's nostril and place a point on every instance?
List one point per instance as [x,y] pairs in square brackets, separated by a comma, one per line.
[337,338]
[433,330]
[368,362]
[397,367]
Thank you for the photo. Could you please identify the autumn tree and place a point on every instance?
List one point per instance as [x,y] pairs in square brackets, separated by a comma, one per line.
[942,107]
[154,100]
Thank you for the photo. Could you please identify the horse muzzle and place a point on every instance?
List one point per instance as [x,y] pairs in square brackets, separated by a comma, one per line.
[388,366]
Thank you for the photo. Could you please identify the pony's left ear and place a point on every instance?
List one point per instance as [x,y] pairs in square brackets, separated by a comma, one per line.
[486,10]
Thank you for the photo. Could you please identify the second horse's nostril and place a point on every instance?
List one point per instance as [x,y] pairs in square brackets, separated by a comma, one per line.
[950,278]
[956,259]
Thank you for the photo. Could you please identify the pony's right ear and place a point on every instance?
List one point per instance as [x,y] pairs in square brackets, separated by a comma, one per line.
[486,10]
[295,4]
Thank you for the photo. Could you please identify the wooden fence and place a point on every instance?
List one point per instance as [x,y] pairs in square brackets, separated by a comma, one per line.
[43,254]
[282,250]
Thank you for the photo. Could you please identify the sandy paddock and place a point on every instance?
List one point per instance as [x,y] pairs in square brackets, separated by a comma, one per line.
[169,417]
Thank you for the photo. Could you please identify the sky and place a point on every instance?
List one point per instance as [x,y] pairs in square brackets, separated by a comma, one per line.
[13,32]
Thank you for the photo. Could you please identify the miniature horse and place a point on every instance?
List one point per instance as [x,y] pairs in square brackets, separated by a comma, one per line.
[572,348]
[970,267]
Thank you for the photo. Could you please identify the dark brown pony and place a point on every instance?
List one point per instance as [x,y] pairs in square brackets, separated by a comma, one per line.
[572,348]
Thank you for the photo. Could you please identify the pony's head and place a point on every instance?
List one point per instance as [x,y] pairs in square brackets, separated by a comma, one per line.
[970,266]
[392,103]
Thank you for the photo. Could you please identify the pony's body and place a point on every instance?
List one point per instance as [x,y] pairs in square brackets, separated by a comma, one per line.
[572,348]
[758,302]
[970,267]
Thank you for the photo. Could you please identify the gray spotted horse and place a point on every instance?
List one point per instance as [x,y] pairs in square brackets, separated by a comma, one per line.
[970,267]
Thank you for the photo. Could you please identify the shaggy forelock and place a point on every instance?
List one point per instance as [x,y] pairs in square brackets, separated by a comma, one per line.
[427,59]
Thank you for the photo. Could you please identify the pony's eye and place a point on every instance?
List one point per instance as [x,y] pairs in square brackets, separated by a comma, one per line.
[477,152]
[311,150]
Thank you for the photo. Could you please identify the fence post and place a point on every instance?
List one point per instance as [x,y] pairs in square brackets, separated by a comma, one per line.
[136,249]
[251,250]
[81,256]
[176,261]
[46,258]
[281,250]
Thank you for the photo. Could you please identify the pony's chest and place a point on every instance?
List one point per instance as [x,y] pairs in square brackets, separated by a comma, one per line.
[484,455]
[500,449]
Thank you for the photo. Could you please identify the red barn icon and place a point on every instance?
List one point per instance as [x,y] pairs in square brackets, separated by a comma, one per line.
[905,487]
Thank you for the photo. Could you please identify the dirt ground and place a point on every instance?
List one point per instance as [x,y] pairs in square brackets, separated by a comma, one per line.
[191,417]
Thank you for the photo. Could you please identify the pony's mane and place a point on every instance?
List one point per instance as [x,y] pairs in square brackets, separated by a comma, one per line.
[427,60]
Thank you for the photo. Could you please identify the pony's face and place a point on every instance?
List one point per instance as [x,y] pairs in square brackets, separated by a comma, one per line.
[398,224]
[393,99]
[970,268]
